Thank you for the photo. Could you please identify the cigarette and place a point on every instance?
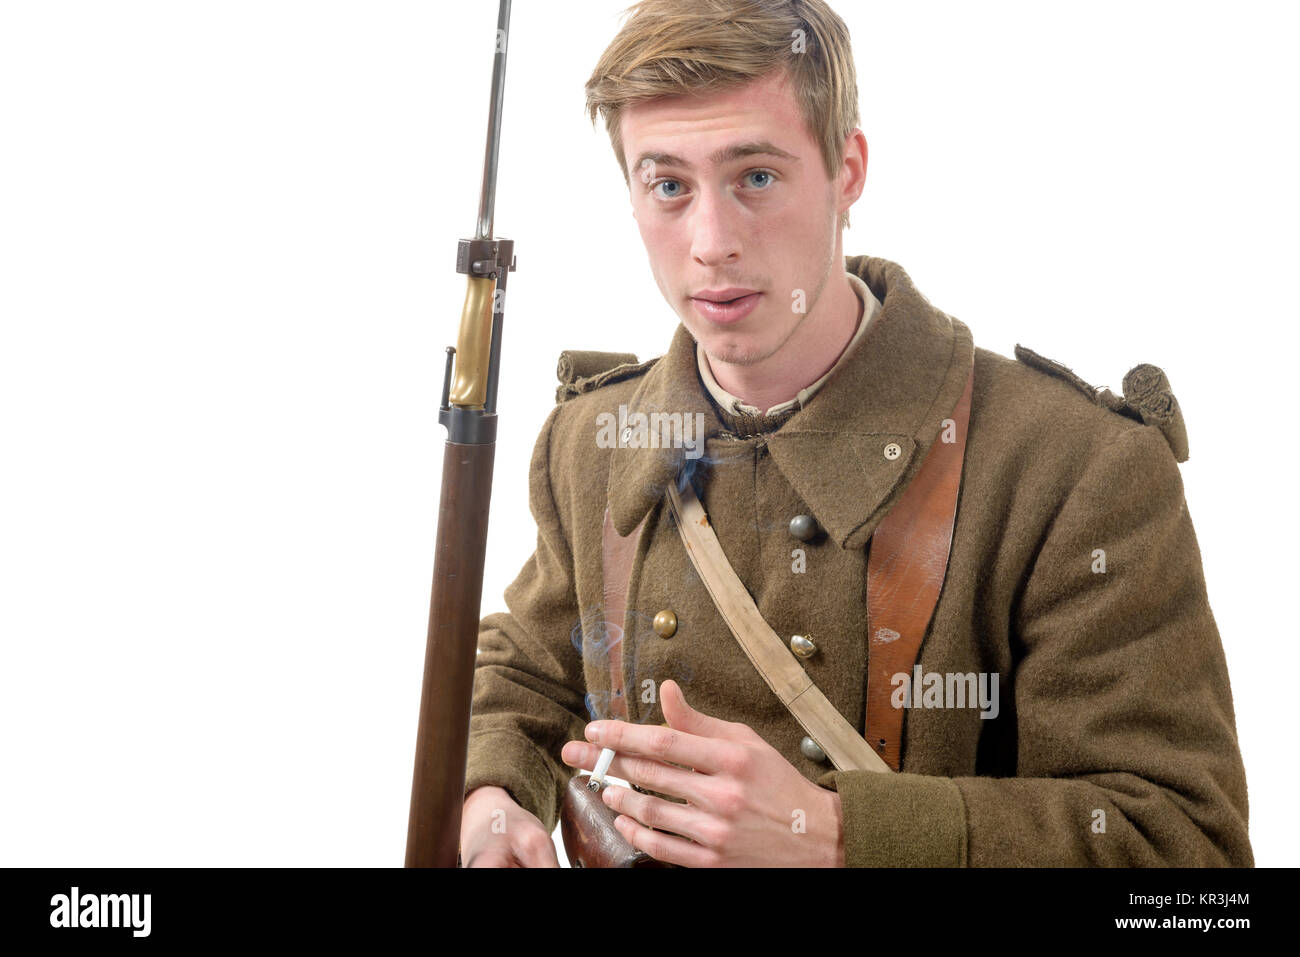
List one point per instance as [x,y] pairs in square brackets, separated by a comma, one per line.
[602,766]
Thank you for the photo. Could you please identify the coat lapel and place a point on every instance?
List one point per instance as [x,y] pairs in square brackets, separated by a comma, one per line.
[898,385]
[638,477]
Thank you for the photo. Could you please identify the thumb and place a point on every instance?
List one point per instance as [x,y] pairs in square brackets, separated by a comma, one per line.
[682,717]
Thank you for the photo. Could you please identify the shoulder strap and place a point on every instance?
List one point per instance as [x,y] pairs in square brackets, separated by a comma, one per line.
[905,571]
[617,555]
[765,649]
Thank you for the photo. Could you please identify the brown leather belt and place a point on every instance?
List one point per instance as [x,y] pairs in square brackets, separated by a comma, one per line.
[617,554]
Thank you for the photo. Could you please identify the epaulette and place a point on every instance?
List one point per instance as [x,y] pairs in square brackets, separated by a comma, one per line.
[1147,397]
[581,372]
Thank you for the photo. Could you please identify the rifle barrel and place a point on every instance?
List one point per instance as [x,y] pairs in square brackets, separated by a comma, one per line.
[488,195]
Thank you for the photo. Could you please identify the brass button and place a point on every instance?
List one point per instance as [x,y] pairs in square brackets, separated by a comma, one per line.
[812,750]
[803,645]
[803,527]
[665,624]
[893,450]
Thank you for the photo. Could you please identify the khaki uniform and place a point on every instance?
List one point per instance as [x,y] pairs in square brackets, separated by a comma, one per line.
[1074,578]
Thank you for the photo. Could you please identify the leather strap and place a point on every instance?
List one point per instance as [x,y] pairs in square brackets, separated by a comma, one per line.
[617,556]
[766,651]
[905,571]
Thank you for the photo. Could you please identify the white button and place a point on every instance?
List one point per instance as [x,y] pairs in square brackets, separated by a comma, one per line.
[893,451]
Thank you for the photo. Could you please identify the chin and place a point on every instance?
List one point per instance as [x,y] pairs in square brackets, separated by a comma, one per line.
[735,350]
[733,344]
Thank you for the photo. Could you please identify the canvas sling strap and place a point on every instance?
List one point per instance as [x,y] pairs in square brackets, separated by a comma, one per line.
[906,565]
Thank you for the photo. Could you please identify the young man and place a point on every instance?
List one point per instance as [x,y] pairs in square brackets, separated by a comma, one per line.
[1104,731]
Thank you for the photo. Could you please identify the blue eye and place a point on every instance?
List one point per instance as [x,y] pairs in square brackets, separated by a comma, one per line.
[666,182]
[761,172]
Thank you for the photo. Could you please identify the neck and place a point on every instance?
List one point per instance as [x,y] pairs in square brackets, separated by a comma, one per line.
[805,357]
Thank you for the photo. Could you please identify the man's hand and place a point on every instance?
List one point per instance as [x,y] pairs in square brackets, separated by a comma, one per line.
[497,832]
[746,805]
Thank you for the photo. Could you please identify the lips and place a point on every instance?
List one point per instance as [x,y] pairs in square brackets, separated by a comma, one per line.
[726,305]
[724,295]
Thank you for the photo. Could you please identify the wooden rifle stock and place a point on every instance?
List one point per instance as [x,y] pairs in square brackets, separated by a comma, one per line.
[590,837]
[468,411]
[442,739]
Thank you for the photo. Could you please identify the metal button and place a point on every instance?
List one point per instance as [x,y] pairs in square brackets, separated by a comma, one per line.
[803,527]
[665,624]
[803,646]
[812,750]
[893,450]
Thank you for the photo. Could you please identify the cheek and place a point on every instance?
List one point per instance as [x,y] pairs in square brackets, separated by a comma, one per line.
[658,251]
[661,240]
[786,238]
[790,224]
[806,217]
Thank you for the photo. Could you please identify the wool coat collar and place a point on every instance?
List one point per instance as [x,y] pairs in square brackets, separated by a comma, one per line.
[897,386]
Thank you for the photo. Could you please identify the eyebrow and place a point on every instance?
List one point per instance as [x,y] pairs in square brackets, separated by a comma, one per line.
[725,155]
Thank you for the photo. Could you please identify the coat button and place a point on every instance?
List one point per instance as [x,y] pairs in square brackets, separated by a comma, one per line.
[893,450]
[665,624]
[803,646]
[803,527]
[812,750]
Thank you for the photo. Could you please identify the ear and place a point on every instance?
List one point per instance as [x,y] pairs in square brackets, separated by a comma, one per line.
[853,170]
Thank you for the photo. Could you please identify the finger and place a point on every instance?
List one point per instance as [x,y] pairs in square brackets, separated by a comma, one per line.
[534,848]
[581,755]
[665,847]
[661,744]
[654,812]
[643,772]
[683,717]
[492,857]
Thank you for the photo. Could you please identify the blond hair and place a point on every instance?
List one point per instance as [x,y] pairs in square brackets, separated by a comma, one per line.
[672,47]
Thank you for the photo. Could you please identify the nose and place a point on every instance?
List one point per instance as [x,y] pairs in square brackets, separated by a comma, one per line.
[715,229]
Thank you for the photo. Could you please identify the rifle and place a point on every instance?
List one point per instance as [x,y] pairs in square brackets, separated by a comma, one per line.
[468,412]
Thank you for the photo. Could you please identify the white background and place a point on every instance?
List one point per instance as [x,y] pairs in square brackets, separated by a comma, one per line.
[227,235]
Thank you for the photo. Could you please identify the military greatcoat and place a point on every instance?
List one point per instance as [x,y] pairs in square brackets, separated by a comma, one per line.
[1074,577]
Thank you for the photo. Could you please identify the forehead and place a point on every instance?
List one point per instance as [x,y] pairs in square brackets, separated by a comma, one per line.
[693,126]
